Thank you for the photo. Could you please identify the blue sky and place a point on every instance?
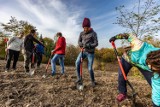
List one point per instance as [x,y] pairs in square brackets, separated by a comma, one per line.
[66,16]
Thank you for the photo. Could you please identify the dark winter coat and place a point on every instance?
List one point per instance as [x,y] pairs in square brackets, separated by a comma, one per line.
[28,43]
[88,41]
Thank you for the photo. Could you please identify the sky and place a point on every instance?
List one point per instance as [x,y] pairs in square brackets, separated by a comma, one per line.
[66,16]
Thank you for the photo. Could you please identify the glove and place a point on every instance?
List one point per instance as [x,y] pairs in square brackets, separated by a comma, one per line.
[112,39]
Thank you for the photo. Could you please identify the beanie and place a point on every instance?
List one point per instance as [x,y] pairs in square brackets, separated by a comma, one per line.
[86,22]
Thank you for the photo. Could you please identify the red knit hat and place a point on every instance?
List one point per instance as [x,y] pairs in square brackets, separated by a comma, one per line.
[86,22]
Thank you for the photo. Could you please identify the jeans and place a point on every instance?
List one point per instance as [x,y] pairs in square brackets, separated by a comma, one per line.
[61,62]
[90,57]
[12,53]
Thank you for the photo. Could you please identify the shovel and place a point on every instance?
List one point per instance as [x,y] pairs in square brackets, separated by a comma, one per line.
[124,75]
[80,83]
[32,70]
[44,76]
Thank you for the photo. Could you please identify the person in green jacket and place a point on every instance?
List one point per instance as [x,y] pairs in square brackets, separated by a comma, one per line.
[146,58]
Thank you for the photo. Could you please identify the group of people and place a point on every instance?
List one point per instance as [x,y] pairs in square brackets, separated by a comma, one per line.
[18,43]
[141,54]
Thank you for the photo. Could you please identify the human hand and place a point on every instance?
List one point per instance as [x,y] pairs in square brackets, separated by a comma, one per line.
[52,52]
[112,39]
[6,50]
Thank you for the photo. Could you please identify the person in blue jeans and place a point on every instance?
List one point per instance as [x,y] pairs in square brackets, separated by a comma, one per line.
[146,58]
[59,53]
[88,41]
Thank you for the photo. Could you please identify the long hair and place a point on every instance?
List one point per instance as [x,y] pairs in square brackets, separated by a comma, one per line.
[153,60]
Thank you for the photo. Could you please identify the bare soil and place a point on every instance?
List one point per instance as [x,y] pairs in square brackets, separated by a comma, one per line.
[18,89]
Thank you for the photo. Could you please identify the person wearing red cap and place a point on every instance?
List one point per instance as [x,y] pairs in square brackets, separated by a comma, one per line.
[88,41]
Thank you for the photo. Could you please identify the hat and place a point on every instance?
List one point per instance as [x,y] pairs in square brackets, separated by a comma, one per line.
[86,22]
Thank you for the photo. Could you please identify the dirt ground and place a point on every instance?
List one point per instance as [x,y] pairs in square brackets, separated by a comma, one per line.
[18,89]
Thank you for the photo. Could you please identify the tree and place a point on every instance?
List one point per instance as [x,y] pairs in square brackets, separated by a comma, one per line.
[49,46]
[142,19]
[154,41]
[71,54]
[15,26]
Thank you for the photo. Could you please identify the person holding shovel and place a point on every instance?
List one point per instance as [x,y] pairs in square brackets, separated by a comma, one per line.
[59,53]
[146,58]
[29,48]
[88,42]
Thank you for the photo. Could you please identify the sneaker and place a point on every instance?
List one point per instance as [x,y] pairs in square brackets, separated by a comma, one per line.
[121,97]
[53,74]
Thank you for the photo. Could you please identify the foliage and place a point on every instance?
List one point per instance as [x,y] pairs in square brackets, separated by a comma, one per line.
[3,45]
[106,54]
[142,19]
[15,26]
[71,54]
[49,46]
[152,40]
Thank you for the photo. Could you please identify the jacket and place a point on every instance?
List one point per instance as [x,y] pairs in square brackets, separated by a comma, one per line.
[28,43]
[15,43]
[60,46]
[88,41]
[39,49]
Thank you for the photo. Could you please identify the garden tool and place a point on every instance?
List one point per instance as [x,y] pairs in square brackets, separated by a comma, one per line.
[80,83]
[44,76]
[32,65]
[124,75]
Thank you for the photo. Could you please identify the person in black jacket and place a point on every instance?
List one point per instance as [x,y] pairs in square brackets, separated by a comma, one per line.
[29,48]
[88,41]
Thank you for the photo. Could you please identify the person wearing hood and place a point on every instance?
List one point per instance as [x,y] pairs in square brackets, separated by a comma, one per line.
[88,42]
[14,46]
